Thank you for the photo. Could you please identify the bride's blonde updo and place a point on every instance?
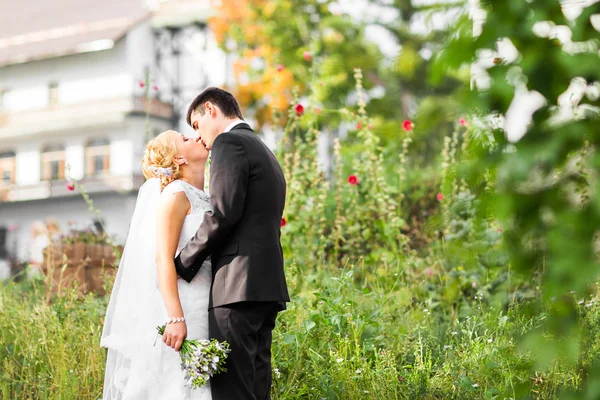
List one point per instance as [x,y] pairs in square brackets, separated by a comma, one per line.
[159,160]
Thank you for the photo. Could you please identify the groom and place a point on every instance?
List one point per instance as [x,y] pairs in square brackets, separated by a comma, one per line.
[241,235]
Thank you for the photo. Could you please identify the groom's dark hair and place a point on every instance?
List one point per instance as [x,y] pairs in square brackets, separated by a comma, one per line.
[221,98]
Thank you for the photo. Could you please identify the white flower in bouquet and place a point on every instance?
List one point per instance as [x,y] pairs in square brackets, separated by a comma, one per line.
[201,359]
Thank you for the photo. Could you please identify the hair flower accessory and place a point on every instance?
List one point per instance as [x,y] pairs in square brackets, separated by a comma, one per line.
[159,170]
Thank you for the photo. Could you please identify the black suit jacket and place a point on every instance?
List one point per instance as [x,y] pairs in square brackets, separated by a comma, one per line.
[242,233]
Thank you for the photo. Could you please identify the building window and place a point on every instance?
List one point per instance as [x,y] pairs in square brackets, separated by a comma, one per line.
[7,168]
[53,163]
[97,154]
[52,94]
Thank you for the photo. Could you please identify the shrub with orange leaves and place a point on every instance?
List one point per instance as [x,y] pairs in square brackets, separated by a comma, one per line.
[280,45]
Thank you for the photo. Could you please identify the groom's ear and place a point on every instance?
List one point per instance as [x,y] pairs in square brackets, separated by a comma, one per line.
[211,108]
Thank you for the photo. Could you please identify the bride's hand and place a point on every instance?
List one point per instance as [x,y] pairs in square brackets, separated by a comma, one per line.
[175,334]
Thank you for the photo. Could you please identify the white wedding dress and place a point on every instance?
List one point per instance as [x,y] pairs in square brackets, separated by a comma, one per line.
[139,365]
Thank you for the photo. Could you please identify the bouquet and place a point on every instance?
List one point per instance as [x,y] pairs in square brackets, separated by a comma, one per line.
[201,359]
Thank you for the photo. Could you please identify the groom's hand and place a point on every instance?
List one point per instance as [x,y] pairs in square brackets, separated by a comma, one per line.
[175,334]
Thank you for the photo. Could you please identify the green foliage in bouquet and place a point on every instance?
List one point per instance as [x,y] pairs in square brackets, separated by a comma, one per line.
[201,359]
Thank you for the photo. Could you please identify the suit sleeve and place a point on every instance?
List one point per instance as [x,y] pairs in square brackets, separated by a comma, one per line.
[229,172]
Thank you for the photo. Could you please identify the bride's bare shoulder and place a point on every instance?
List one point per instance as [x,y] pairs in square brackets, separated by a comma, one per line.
[174,187]
[174,199]
[177,204]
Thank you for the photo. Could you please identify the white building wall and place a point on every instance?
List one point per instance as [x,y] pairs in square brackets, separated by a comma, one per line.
[121,156]
[139,53]
[28,163]
[84,89]
[24,98]
[116,210]
[80,77]
[75,157]
[135,133]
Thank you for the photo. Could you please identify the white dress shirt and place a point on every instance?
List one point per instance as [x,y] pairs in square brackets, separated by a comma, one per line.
[233,124]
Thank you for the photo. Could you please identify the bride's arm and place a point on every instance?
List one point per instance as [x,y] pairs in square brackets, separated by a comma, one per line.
[171,215]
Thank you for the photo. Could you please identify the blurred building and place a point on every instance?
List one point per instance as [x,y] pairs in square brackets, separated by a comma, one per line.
[72,102]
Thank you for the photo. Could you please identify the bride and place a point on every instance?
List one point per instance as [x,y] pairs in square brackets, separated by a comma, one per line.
[147,292]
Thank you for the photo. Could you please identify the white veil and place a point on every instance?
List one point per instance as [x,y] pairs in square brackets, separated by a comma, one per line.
[132,314]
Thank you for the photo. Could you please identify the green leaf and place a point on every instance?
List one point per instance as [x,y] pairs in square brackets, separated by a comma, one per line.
[309,325]
[289,338]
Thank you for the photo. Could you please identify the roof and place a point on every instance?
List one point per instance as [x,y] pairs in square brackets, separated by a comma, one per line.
[41,29]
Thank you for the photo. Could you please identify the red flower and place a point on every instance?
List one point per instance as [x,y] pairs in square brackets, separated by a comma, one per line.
[299,109]
[280,67]
[320,83]
[353,180]
[358,125]
[407,125]
[142,84]
[307,56]
[440,197]
[283,222]
[318,110]
[463,122]
[499,229]
[70,186]
[155,88]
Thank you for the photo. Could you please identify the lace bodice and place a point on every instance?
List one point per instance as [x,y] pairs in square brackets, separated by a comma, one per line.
[199,199]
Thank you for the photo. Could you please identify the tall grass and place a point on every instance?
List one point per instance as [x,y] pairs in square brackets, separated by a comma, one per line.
[341,338]
[49,350]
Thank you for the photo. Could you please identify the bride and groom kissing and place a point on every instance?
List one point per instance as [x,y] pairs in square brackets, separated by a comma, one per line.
[207,266]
